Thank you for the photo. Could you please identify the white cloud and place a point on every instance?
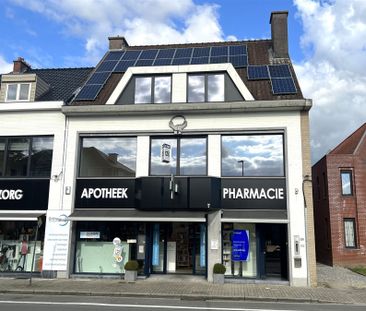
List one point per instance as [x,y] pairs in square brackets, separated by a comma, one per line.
[333,74]
[140,22]
[5,67]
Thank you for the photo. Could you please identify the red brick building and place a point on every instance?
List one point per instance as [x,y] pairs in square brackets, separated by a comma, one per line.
[339,185]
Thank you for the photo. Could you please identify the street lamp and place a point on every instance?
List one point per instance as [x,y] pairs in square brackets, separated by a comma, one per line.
[242,166]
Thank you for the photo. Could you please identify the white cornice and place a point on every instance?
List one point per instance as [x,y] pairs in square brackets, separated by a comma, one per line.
[31,106]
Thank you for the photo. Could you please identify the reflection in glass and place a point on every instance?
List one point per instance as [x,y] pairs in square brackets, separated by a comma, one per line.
[157,166]
[12,92]
[2,156]
[346,183]
[41,156]
[193,156]
[143,90]
[262,155]
[17,159]
[162,90]
[196,89]
[216,86]
[24,92]
[108,157]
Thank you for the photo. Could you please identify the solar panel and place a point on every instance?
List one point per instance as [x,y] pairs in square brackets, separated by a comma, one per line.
[181,61]
[89,92]
[239,61]
[218,59]
[199,52]
[123,65]
[107,66]
[144,62]
[283,86]
[116,55]
[199,60]
[279,71]
[131,55]
[148,54]
[168,53]
[219,51]
[99,78]
[238,49]
[258,72]
[162,62]
[183,53]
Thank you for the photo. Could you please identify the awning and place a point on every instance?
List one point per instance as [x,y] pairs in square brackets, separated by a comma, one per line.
[21,215]
[135,215]
[255,216]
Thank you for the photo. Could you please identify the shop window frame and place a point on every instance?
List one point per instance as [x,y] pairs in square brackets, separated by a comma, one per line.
[284,159]
[178,169]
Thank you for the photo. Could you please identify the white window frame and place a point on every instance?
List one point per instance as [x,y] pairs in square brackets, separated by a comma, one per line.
[17,92]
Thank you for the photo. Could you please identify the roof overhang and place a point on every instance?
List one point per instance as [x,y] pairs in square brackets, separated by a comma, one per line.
[21,215]
[135,215]
[193,108]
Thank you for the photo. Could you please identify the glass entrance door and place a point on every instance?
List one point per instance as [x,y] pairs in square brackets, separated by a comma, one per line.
[179,248]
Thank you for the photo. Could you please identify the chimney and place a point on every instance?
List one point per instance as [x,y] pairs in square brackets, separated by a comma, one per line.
[278,23]
[117,43]
[20,65]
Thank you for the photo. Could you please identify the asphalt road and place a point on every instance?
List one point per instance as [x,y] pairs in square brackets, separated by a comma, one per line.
[87,303]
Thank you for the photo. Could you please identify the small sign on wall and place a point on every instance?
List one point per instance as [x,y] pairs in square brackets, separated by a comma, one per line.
[165,153]
[214,244]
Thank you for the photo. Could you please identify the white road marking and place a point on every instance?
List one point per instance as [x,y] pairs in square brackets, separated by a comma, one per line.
[135,306]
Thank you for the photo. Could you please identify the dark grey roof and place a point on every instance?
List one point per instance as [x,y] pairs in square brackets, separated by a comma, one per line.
[63,81]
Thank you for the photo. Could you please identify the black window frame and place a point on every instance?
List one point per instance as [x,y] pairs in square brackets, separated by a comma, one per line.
[350,173]
[152,93]
[29,160]
[177,171]
[353,220]
[206,75]
[80,146]
[256,134]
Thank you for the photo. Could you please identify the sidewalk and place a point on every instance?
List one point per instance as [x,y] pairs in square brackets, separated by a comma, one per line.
[183,288]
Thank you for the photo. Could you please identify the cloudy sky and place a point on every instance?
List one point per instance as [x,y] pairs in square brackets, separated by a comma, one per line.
[326,41]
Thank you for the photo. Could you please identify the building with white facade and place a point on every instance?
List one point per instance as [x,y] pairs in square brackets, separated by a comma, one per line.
[182,156]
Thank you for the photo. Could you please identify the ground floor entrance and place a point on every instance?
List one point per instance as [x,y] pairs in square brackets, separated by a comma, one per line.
[178,248]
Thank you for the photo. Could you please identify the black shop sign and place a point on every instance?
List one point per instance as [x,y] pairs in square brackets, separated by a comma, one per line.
[21,194]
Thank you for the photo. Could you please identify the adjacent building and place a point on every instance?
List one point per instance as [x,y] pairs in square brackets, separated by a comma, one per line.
[340,202]
[181,156]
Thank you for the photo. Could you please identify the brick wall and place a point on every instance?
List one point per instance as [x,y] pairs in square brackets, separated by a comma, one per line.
[306,163]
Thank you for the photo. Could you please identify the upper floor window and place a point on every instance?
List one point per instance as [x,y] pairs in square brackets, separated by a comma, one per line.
[26,156]
[155,89]
[108,156]
[346,182]
[206,88]
[178,156]
[252,155]
[18,92]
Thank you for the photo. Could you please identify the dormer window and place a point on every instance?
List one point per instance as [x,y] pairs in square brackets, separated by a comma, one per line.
[18,92]
[206,88]
[153,89]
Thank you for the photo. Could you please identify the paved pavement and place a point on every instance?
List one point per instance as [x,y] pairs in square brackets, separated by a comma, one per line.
[184,287]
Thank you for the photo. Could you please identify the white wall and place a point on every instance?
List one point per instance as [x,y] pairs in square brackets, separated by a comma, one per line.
[145,125]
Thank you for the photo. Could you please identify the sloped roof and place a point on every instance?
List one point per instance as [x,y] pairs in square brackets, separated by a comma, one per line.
[63,81]
[259,53]
[352,143]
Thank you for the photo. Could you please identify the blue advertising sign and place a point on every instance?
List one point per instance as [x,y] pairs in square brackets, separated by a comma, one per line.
[203,245]
[240,245]
[155,253]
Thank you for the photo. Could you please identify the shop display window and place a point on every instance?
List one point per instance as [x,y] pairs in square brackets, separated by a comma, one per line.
[236,268]
[17,246]
[104,248]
